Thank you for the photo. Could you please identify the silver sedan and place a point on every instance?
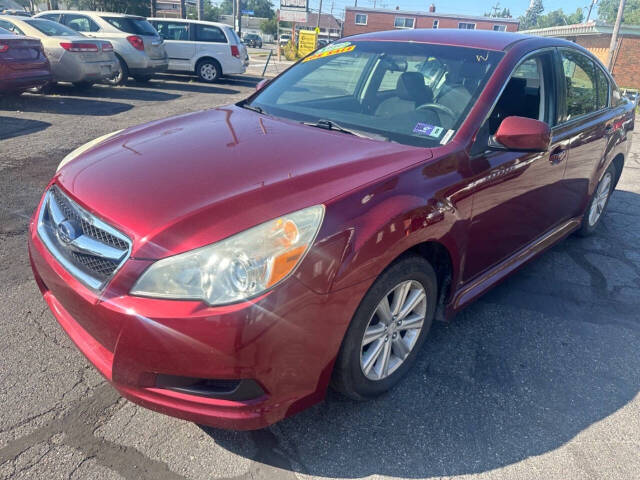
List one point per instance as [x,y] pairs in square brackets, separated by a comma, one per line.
[73,57]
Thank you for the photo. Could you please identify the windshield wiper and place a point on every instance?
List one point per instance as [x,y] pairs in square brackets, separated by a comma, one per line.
[329,125]
[254,108]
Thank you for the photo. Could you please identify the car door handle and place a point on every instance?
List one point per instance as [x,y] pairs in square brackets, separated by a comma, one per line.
[558,156]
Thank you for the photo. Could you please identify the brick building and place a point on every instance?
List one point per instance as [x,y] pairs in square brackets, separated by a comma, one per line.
[363,20]
[595,37]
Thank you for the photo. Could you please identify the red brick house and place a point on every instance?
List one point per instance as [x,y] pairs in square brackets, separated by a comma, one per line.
[363,20]
[596,37]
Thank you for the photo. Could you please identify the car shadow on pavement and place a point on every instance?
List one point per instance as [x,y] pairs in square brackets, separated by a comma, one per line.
[14,127]
[185,83]
[62,105]
[540,358]
[118,93]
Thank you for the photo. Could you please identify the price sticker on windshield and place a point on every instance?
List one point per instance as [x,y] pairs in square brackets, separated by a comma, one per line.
[331,50]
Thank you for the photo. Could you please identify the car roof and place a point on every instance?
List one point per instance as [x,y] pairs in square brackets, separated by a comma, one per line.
[91,12]
[187,20]
[483,39]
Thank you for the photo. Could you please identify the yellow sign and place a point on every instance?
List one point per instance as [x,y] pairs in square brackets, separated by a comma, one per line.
[331,50]
[317,29]
[307,41]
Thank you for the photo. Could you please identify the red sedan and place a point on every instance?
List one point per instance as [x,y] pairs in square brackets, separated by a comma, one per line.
[22,63]
[228,265]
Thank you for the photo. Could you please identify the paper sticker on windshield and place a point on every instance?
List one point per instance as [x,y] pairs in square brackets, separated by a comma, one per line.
[428,130]
[331,50]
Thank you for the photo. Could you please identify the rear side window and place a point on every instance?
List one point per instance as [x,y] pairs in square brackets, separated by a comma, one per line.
[54,17]
[80,23]
[173,30]
[137,26]
[581,84]
[209,33]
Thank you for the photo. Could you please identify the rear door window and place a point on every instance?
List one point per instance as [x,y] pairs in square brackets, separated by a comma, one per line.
[209,33]
[11,27]
[80,23]
[137,26]
[581,84]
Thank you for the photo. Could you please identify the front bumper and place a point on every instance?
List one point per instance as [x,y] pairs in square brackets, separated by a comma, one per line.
[285,341]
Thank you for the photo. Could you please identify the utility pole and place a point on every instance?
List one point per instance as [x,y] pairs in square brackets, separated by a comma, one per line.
[319,15]
[153,8]
[239,12]
[183,9]
[332,3]
[593,2]
[200,9]
[614,36]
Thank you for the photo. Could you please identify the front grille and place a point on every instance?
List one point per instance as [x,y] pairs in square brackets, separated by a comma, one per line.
[87,247]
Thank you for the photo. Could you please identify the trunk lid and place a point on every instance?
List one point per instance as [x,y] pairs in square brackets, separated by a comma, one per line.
[24,53]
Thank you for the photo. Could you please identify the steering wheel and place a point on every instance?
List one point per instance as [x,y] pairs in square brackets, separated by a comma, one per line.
[439,109]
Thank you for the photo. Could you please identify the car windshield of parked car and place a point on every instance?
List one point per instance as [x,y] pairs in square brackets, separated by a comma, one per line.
[51,29]
[411,93]
[137,26]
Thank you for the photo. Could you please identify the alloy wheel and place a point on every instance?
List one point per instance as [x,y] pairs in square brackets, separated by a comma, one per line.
[393,330]
[600,199]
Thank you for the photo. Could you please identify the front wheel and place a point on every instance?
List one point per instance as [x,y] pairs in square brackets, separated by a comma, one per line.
[598,204]
[387,330]
[208,71]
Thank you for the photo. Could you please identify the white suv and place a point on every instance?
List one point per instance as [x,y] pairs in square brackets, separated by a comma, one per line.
[137,45]
[208,49]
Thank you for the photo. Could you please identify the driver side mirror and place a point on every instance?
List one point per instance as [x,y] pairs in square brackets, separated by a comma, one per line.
[521,134]
[261,84]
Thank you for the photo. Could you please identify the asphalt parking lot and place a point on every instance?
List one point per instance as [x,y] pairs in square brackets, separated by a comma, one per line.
[538,379]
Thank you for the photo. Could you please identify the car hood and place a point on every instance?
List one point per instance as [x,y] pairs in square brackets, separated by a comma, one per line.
[191,180]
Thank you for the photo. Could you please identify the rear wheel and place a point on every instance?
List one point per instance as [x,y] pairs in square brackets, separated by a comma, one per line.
[387,330]
[208,71]
[123,74]
[599,201]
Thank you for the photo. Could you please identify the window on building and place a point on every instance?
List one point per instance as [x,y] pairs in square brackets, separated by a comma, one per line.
[361,19]
[467,26]
[404,22]
[581,84]
[499,28]
[436,23]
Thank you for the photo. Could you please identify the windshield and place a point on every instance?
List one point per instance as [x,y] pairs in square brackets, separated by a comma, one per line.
[138,26]
[52,29]
[410,93]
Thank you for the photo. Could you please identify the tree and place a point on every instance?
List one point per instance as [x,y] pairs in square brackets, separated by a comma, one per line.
[608,9]
[211,12]
[134,7]
[504,13]
[530,17]
[260,8]
[269,26]
[558,17]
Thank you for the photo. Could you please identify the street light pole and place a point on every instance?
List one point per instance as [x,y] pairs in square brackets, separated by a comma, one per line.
[614,36]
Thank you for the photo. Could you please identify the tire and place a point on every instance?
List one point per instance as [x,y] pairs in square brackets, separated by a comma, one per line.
[354,358]
[143,78]
[208,71]
[598,203]
[122,77]
[83,85]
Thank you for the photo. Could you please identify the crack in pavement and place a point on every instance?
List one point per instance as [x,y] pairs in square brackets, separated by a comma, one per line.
[78,426]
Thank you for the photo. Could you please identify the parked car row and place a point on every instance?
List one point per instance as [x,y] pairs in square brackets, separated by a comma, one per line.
[84,48]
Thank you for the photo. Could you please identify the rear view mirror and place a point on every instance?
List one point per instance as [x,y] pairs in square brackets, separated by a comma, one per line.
[261,84]
[522,134]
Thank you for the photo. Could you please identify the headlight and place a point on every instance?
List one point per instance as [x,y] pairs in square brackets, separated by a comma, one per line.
[236,268]
[80,150]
